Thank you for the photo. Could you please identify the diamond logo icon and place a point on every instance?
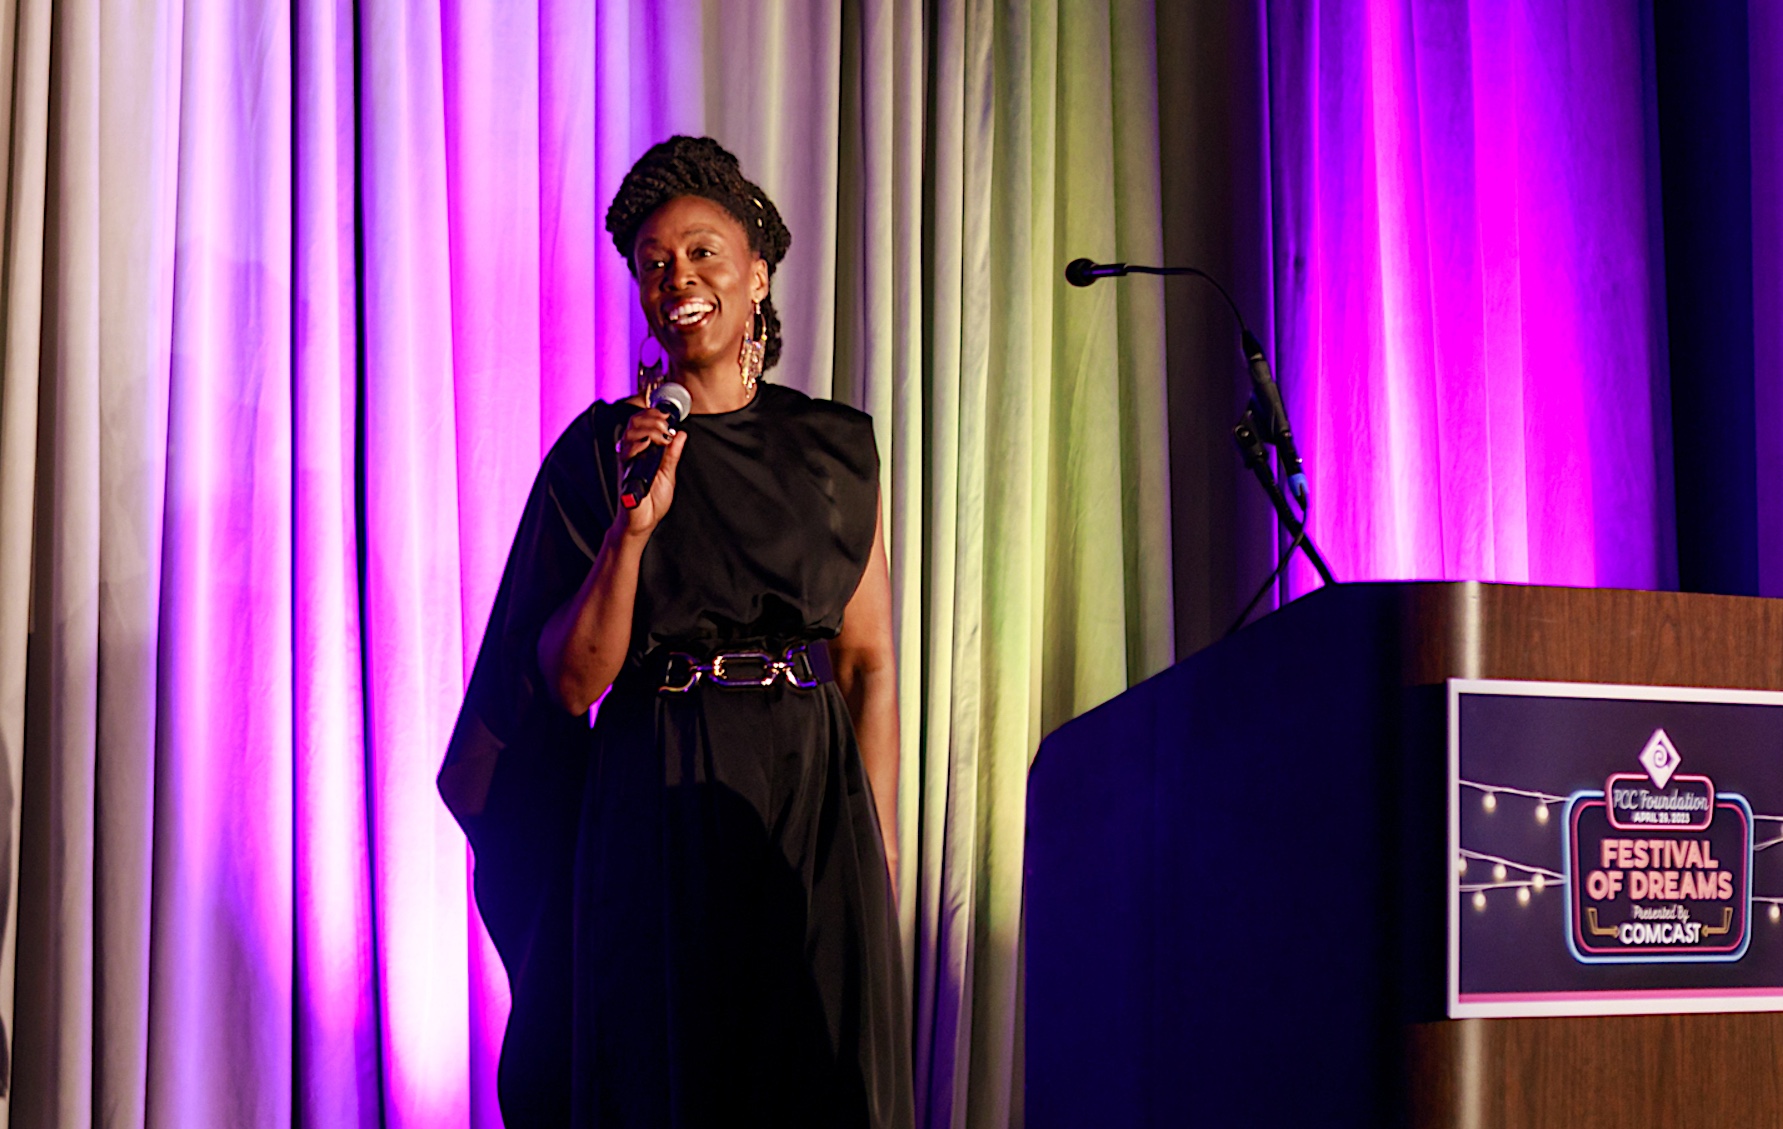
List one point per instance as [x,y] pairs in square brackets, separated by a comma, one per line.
[1660,758]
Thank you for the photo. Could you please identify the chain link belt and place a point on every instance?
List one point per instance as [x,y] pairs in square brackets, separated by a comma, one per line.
[804,666]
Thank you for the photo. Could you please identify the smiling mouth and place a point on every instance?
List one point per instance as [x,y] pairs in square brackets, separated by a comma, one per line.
[687,313]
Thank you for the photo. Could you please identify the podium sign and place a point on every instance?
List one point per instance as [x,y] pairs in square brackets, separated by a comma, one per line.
[1609,849]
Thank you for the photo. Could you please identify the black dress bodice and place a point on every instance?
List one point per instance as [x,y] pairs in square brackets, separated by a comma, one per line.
[770,528]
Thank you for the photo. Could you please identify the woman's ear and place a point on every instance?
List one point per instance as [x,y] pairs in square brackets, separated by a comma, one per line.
[758,289]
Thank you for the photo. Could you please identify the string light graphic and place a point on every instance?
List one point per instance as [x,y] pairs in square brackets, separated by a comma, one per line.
[1527,880]
[1771,842]
[1489,800]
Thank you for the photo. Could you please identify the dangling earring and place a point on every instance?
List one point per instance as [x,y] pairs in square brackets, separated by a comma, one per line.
[754,351]
[650,376]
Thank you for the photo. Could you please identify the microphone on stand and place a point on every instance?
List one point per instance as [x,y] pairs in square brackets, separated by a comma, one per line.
[673,401]
[1266,400]
[1083,272]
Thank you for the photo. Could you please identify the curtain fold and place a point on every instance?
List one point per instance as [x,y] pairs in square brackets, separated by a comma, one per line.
[141,75]
[294,299]
[223,762]
[56,1064]
[336,1029]
[413,625]
[24,97]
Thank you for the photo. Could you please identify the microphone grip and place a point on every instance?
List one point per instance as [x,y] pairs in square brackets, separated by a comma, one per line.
[672,400]
[640,474]
[1269,398]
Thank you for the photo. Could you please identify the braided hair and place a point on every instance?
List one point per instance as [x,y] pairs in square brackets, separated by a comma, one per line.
[700,166]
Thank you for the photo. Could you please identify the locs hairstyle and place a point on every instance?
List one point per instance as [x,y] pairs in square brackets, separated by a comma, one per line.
[700,166]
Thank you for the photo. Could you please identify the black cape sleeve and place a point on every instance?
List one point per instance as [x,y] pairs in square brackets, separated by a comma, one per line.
[514,769]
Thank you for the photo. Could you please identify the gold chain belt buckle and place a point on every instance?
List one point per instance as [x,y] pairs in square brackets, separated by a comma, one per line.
[718,670]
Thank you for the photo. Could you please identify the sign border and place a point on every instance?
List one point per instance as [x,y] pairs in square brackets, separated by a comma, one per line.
[1642,1002]
[1569,847]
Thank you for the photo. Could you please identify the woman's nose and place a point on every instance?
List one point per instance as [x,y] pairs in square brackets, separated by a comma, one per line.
[680,272]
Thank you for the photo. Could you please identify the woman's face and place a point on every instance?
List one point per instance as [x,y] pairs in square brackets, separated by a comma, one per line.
[698,281]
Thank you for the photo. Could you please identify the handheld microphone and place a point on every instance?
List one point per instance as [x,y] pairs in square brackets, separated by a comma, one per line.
[673,401]
[1269,398]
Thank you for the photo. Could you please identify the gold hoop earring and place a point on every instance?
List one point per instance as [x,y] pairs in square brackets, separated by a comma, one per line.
[753,352]
[650,376]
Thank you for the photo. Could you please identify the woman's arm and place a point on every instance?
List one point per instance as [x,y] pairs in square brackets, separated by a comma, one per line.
[583,644]
[867,673]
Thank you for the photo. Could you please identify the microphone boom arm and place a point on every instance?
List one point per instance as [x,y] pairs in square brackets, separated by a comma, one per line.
[1204,276]
[1265,402]
[1082,272]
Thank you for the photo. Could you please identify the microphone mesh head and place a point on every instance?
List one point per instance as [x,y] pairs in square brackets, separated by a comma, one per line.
[673,399]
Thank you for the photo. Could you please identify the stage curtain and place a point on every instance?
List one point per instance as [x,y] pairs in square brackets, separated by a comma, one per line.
[293,298]
[1468,287]
[1045,567]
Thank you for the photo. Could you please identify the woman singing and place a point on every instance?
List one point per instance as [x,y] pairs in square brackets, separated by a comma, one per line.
[693,899]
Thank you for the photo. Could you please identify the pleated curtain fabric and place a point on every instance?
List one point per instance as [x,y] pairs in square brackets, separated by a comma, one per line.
[295,296]
[1046,564]
[24,38]
[89,332]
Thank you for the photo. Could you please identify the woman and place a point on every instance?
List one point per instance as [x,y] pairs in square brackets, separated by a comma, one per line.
[693,899]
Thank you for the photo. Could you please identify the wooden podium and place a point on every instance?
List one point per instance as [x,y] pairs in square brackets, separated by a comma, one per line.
[1236,894]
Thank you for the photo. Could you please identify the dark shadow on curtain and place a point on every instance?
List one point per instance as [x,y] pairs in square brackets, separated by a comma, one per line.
[1212,150]
[1705,175]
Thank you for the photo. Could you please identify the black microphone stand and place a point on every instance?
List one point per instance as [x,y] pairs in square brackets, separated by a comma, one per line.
[1256,459]
[1250,439]
[1250,445]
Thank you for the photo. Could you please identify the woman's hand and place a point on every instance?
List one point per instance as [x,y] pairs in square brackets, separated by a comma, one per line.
[651,426]
[582,646]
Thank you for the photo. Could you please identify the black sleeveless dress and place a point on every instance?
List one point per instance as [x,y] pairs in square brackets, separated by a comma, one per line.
[691,898]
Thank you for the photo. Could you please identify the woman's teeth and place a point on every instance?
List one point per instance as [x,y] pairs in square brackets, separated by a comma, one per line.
[687,313]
